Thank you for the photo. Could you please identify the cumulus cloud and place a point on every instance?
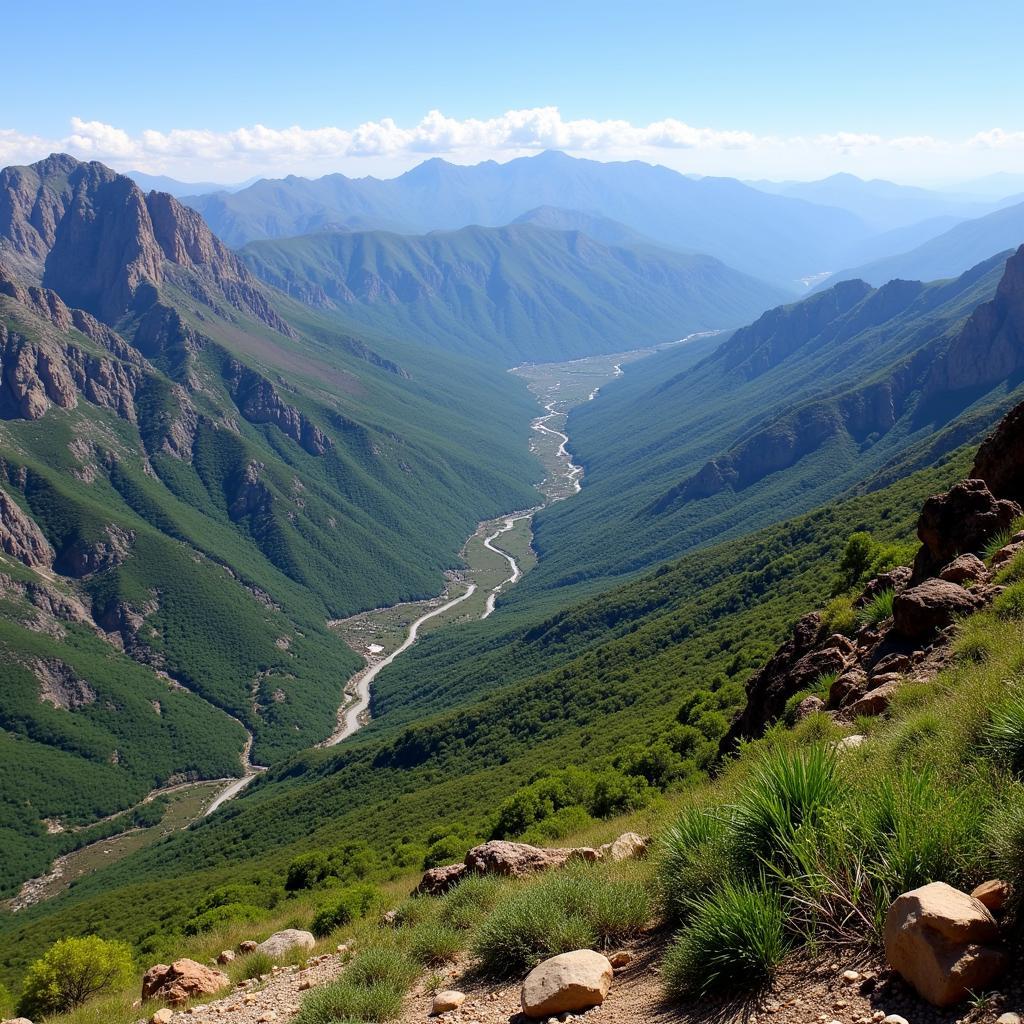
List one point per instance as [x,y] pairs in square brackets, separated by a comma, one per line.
[264,150]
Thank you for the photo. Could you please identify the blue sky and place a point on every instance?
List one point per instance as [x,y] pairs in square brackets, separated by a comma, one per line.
[752,77]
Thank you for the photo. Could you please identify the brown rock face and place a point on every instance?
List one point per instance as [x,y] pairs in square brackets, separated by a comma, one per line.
[875,701]
[567,983]
[20,537]
[1000,459]
[920,612]
[961,520]
[964,569]
[437,881]
[944,943]
[182,981]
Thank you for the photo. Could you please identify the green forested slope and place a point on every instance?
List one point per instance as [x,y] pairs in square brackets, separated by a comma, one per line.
[662,659]
[522,292]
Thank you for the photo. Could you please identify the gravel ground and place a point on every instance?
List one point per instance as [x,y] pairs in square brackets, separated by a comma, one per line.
[804,993]
[276,997]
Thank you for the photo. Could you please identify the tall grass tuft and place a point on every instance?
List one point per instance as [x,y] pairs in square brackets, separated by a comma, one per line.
[471,900]
[696,855]
[734,940]
[1005,731]
[434,944]
[879,608]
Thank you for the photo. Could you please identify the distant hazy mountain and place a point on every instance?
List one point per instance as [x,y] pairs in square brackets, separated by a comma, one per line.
[1003,183]
[883,205]
[603,229]
[512,293]
[776,238]
[949,254]
[161,183]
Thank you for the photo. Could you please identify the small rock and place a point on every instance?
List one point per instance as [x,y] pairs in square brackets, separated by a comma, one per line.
[304,983]
[225,956]
[894,1018]
[1008,1018]
[181,981]
[162,1016]
[446,1001]
[850,977]
[248,946]
[621,959]
[850,742]
[995,894]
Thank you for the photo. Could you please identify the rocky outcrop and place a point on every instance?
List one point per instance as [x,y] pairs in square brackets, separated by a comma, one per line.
[959,521]
[258,401]
[990,346]
[60,686]
[944,943]
[1000,459]
[91,235]
[83,558]
[20,537]
[517,860]
[250,495]
[181,981]
[922,611]
[438,881]
[568,983]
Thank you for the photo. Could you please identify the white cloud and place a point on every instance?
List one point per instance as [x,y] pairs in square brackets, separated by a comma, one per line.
[384,145]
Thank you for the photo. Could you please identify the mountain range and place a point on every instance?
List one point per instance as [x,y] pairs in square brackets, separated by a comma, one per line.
[774,238]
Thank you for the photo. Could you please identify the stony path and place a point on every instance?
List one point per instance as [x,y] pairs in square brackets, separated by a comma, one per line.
[277,998]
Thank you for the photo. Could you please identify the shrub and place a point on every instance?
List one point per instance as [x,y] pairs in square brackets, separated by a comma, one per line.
[525,929]
[257,964]
[734,940]
[788,791]
[345,1001]
[345,905]
[471,900]
[72,971]
[858,555]
[306,871]
[618,910]
[433,944]
[413,911]
[879,608]
[839,616]
[695,856]
[447,849]
[562,823]
[382,965]
[1010,603]
[1005,731]
[225,914]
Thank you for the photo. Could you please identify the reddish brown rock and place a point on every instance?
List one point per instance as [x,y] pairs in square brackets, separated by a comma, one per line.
[848,686]
[894,580]
[875,701]
[437,881]
[944,943]
[516,860]
[961,520]
[181,981]
[811,705]
[967,568]
[922,611]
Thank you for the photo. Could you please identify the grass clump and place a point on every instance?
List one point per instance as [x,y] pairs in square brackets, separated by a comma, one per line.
[995,543]
[1010,603]
[696,855]
[1005,731]
[839,616]
[471,901]
[433,944]
[734,940]
[878,608]
[345,1001]
[256,964]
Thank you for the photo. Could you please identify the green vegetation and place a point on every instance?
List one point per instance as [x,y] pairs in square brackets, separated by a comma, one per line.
[512,294]
[72,972]
[878,608]
[343,906]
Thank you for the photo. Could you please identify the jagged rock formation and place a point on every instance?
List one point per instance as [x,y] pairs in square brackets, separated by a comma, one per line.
[928,599]
[20,537]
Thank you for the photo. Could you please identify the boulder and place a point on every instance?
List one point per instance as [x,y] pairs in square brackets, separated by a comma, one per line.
[516,860]
[894,580]
[848,686]
[1000,459]
[444,1002]
[899,663]
[995,894]
[1006,553]
[567,983]
[247,946]
[629,846]
[960,520]
[226,956]
[943,942]
[437,881]
[281,942]
[966,568]
[808,706]
[181,981]
[875,701]
[922,611]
